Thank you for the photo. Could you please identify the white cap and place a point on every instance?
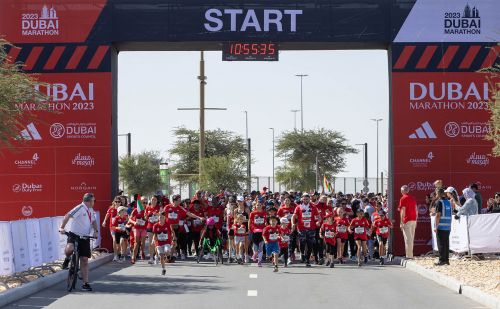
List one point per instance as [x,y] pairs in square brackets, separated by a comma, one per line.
[240,198]
[449,190]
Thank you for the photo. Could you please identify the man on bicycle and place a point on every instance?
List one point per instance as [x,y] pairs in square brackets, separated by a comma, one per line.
[83,223]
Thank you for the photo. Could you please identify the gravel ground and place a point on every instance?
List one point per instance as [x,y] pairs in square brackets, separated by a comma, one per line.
[482,274]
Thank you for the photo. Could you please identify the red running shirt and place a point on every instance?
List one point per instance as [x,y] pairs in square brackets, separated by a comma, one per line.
[360,227]
[271,234]
[163,234]
[328,231]
[257,221]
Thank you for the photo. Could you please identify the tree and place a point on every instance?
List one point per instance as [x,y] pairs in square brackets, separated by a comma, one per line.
[300,149]
[222,172]
[218,143]
[141,172]
[494,108]
[15,87]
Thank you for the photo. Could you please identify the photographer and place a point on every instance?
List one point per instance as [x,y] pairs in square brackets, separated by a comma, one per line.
[470,206]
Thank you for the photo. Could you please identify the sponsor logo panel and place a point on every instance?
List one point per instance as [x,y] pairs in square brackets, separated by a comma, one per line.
[83,160]
[41,23]
[27,161]
[410,159]
[27,187]
[18,210]
[73,186]
[488,183]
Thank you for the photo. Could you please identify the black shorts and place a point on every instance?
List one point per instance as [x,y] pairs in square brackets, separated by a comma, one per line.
[231,232]
[330,249]
[381,239]
[83,246]
[119,236]
[257,238]
[149,230]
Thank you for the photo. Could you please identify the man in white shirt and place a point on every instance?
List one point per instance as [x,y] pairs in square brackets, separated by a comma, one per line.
[83,223]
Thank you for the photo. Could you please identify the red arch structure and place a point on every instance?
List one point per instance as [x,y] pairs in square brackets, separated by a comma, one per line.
[438,100]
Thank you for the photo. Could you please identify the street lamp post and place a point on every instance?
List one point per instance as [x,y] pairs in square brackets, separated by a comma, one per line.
[273,157]
[377,120]
[249,155]
[365,163]
[294,111]
[301,102]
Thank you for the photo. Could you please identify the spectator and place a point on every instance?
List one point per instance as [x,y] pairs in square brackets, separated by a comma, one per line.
[478,197]
[494,204]
[408,219]
[452,195]
[470,206]
[442,227]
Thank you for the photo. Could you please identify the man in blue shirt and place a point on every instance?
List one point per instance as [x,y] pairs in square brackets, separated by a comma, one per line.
[442,227]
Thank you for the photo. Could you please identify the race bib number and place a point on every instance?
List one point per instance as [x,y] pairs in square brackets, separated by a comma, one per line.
[197,222]
[273,236]
[289,216]
[241,230]
[121,226]
[341,229]
[359,230]
[329,234]
[181,222]
[307,223]
[172,215]
[162,237]
[259,220]
[285,220]
[384,230]
[153,219]
[285,238]
[306,215]
[216,219]
[140,222]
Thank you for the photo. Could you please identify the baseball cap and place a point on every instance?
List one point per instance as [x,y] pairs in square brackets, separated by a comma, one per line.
[240,198]
[122,208]
[306,195]
[449,190]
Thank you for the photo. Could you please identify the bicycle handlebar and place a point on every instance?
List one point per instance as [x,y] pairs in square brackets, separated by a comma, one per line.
[70,234]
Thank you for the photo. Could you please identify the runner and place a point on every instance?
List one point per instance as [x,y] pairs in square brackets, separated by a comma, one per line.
[163,238]
[138,220]
[382,226]
[243,210]
[110,214]
[359,228]
[285,213]
[122,231]
[196,225]
[257,223]
[211,233]
[342,222]
[328,235]
[152,215]
[271,235]
[240,232]
[284,239]
[229,218]
[304,220]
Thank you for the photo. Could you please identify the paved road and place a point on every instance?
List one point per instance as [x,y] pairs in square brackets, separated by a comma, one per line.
[191,285]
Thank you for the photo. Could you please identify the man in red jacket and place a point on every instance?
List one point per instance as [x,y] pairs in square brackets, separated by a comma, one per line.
[306,219]
[408,219]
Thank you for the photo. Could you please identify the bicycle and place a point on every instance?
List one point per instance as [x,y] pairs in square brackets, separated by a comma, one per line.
[215,250]
[74,263]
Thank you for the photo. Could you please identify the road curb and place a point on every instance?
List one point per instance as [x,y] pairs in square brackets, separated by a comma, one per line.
[33,287]
[453,284]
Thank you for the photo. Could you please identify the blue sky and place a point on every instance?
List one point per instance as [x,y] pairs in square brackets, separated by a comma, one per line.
[343,91]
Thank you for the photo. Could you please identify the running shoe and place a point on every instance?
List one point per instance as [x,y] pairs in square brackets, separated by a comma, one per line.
[254,257]
[132,261]
[332,265]
[115,258]
[151,262]
[308,264]
[259,263]
[366,259]
[275,269]
[327,263]
[87,287]
[321,262]
[163,272]
[183,256]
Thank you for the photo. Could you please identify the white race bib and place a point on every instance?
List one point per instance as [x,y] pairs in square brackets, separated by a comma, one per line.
[153,218]
[284,220]
[259,220]
[341,229]
[307,223]
[172,215]
[359,230]
[197,222]
[162,237]
[140,222]
[285,238]
[216,219]
[306,215]
[241,230]
[181,222]
[273,236]
[329,234]
[384,230]
[289,216]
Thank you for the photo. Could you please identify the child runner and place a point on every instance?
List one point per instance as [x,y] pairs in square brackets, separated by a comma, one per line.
[382,226]
[163,238]
[138,220]
[257,223]
[121,231]
[211,233]
[284,238]
[240,232]
[271,235]
[327,233]
[359,227]
[152,215]
[342,222]
[285,213]
[110,215]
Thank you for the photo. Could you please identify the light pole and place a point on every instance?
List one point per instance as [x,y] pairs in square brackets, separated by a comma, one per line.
[301,102]
[273,157]
[377,120]
[249,155]
[246,124]
[365,163]
[294,111]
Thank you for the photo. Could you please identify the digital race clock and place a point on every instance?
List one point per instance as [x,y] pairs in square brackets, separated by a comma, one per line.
[240,51]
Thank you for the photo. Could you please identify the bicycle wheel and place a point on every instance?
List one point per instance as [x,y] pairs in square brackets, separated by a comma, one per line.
[216,256]
[221,257]
[200,254]
[73,272]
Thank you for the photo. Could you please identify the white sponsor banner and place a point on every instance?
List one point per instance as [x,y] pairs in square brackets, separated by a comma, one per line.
[60,240]
[20,245]
[6,250]
[49,241]
[434,238]
[452,21]
[34,242]
[484,233]
[458,236]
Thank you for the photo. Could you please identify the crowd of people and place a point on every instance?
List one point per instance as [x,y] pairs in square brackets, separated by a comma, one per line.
[284,228]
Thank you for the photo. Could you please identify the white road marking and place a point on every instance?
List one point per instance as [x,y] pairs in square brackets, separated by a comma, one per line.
[252,276]
[252,293]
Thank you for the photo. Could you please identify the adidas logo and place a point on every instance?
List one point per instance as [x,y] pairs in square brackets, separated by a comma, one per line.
[30,133]
[424,131]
